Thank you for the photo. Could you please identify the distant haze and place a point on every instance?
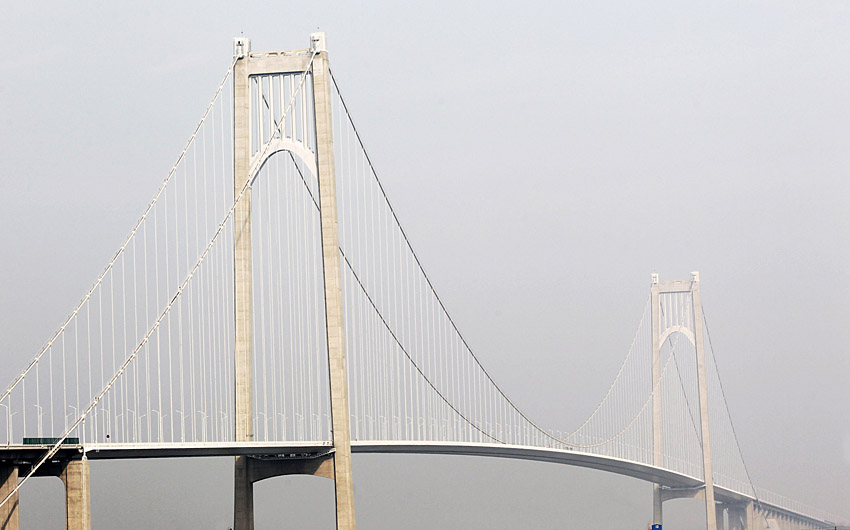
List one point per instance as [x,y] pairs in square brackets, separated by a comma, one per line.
[545,159]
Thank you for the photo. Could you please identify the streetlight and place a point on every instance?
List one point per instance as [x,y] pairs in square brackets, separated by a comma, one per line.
[204,417]
[73,415]
[182,425]
[265,424]
[39,411]
[106,423]
[9,415]
[132,422]
[160,417]
[137,422]
[283,424]
[223,416]
[300,422]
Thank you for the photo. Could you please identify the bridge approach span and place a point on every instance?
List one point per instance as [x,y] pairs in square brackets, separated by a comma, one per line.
[116,451]
[676,482]
[679,484]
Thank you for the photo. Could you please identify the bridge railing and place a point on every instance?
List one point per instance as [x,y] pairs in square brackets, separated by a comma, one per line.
[798,507]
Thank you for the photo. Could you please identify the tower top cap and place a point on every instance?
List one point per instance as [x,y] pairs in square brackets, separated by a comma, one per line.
[241,47]
[318,42]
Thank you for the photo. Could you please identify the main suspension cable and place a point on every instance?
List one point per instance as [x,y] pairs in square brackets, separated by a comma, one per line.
[126,241]
[58,444]
[428,281]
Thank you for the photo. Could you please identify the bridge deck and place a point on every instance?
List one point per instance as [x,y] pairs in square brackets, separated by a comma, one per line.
[27,453]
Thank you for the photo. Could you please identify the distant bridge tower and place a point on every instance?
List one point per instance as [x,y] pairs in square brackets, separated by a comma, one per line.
[310,139]
[677,308]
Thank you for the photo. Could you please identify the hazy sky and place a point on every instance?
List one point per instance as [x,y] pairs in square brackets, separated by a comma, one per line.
[545,159]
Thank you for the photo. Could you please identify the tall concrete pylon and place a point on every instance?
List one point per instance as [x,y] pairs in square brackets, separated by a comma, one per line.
[337,464]
[695,336]
[702,385]
[655,311]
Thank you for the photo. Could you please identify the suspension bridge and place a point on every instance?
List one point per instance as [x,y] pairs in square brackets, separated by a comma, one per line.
[268,305]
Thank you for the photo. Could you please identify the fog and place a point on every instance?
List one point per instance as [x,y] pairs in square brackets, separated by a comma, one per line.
[545,159]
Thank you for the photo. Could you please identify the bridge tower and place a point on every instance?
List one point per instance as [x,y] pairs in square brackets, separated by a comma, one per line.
[687,320]
[249,155]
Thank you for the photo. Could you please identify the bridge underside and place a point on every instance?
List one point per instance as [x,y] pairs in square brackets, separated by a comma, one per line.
[307,449]
[26,454]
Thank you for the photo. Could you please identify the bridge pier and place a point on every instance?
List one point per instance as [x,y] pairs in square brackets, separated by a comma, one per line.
[735,513]
[719,515]
[73,473]
[243,496]
[750,516]
[737,517]
[756,517]
[732,515]
[75,476]
[657,503]
[9,511]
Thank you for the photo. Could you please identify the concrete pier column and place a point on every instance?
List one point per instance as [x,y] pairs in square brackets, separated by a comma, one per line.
[719,508]
[243,495]
[77,495]
[756,518]
[657,505]
[9,511]
[737,517]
